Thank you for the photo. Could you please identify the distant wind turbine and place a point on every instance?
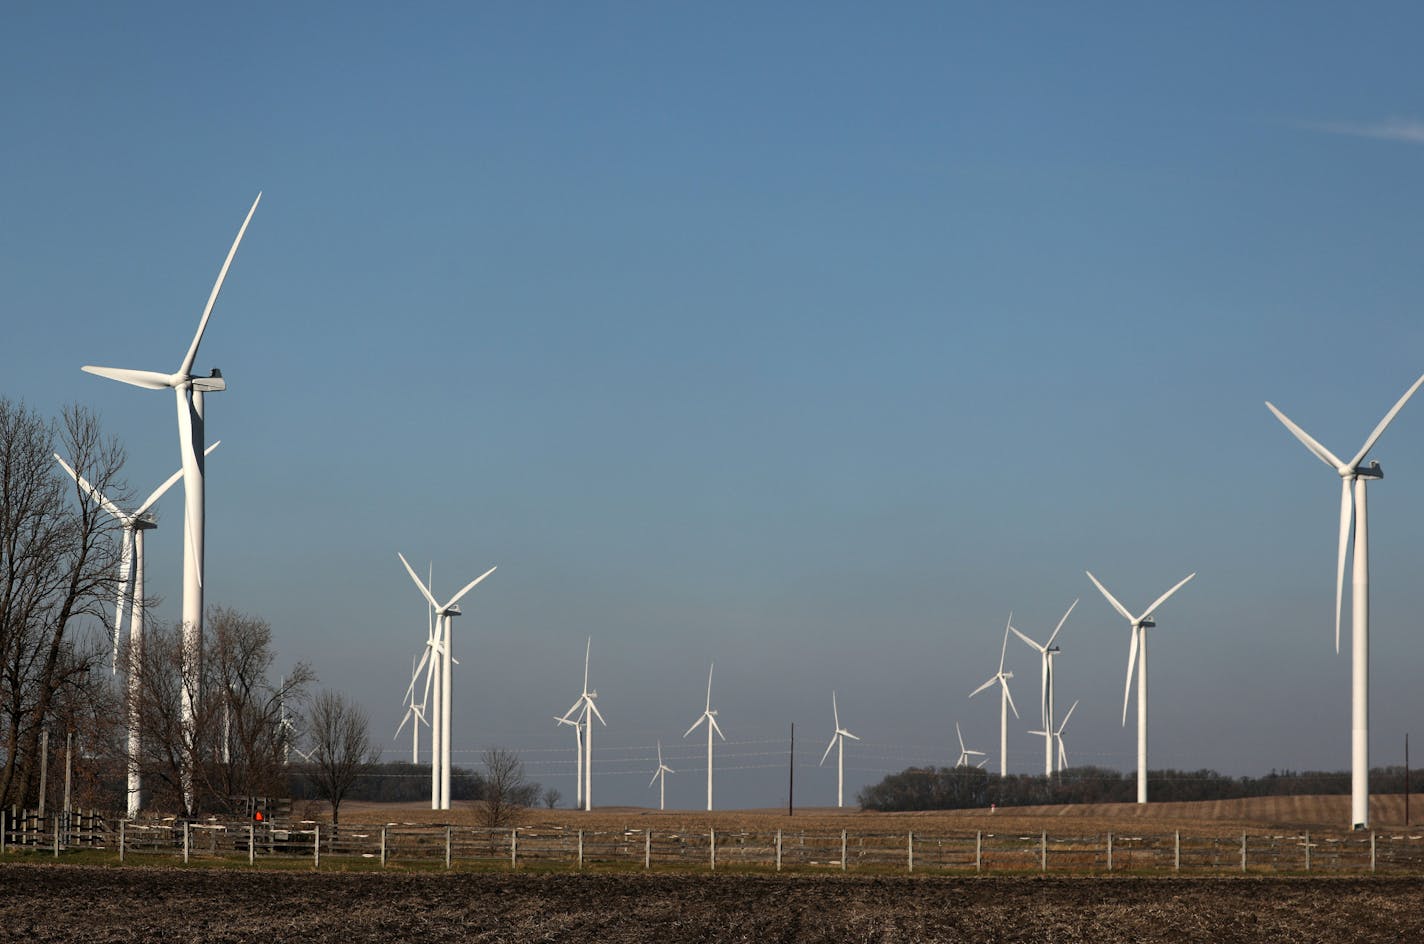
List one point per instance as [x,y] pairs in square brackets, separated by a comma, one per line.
[838,740]
[587,712]
[1046,652]
[1006,701]
[660,778]
[414,713]
[189,390]
[130,602]
[1138,645]
[1353,477]
[1058,736]
[965,753]
[578,757]
[709,716]
[440,728]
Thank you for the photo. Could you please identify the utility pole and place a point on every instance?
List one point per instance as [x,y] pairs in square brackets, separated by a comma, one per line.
[791,766]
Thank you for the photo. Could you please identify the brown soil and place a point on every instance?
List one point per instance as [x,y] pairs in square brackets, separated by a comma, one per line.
[87,904]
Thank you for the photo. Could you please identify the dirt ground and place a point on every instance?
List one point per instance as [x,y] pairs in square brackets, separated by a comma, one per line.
[91,904]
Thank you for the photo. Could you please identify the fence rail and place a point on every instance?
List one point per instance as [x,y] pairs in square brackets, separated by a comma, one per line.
[66,834]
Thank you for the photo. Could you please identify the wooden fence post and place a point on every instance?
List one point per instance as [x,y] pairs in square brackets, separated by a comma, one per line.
[251,844]
[185,842]
[1307,850]
[580,849]
[979,851]
[910,851]
[514,848]
[843,850]
[1043,851]
[383,847]
[778,850]
[1177,851]
[2,832]
[56,836]
[1372,850]
[447,847]
[1109,852]
[647,848]
[316,846]
[1243,851]
[121,842]
[712,846]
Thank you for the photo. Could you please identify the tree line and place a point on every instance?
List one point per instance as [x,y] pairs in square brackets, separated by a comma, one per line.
[949,788]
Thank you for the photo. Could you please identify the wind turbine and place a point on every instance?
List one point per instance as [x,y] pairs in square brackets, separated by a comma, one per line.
[964,752]
[440,729]
[1046,652]
[414,713]
[1353,477]
[660,778]
[578,757]
[1138,643]
[838,739]
[130,602]
[1006,701]
[189,391]
[1058,736]
[587,712]
[710,717]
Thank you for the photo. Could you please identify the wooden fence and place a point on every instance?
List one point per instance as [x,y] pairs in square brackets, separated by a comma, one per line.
[25,833]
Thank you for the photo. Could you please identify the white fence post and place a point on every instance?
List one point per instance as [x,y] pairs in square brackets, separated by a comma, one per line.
[979,851]
[1043,851]
[447,847]
[647,848]
[316,846]
[56,836]
[251,843]
[383,847]
[1307,850]
[580,849]
[1177,851]
[778,850]
[185,842]
[1243,851]
[712,846]
[1372,850]
[121,842]
[1109,852]
[910,851]
[514,848]
[843,850]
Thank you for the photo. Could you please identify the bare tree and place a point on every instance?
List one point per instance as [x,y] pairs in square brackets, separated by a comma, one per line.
[506,790]
[341,747]
[57,574]
[551,798]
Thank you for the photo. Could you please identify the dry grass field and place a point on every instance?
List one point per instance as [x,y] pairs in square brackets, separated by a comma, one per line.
[1212,818]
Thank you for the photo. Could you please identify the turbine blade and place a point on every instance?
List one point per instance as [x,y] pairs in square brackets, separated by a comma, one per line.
[1319,451]
[1005,682]
[1026,639]
[716,727]
[468,587]
[1059,627]
[1062,755]
[1131,663]
[598,714]
[148,379]
[849,735]
[587,651]
[1064,723]
[828,751]
[1111,599]
[1388,418]
[696,723]
[959,734]
[192,354]
[1347,508]
[1163,598]
[90,490]
[709,686]
[984,686]
[835,711]
[168,483]
[656,774]
[660,753]
[402,724]
[1004,649]
[192,507]
[424,592]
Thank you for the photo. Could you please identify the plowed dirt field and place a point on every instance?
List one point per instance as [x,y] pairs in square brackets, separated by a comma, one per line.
[88,904]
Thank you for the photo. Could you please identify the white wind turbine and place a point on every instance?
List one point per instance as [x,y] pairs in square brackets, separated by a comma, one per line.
[1353,477]
[130,602]
[1058,736]
[1006,701]
[838,739]
[587,712]
[189,391]
[660,778]
[709,716]
[414,713]
[965,753]
[578,757]
[1138,645]
[440,727]
[1046,653]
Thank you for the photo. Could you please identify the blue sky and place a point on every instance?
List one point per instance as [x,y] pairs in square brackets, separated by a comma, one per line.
[810,340]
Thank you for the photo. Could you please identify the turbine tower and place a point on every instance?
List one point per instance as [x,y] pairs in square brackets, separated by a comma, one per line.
[1006,701]
[1353,477]
[440,728]
[660,778]
[587,712]
[1058,736]
[1138,644]
[838,740]
[964,752]
[709,716]
[130,602]
[189,391]
[414,713]
[578,757]
[1046,653]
